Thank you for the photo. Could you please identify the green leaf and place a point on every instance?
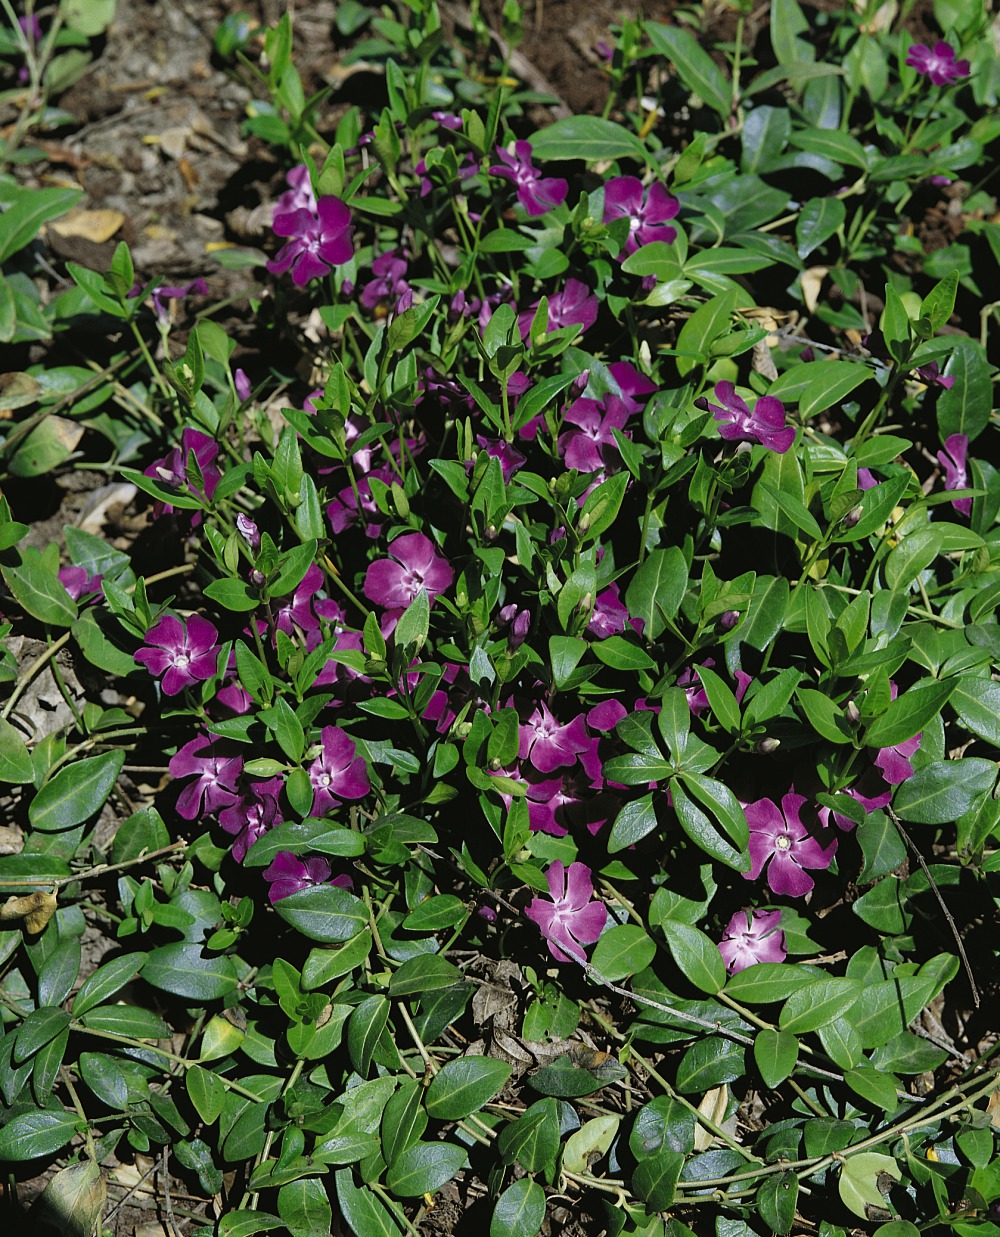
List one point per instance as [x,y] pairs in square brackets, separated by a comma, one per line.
[424,1168]
[183,970]
[831,144]
[697,956]
[910,712]
[765,132]
[362,1210]
[602,506]
[832,382]
[40,1026]
[414,624]
[434,913]
[37,589]
[765,982]
[817,222]
[623,950]
[533,1139]
[825,716]
[207,1093]
[941,792]
[130,1020]
[564,1080]
[775,1053]
[859,1181]
[939,304]
[108,979]
[768,607]
[325,836]
[24,220]
[695,67]
[305,1207]
[787,23]
[586,137]
[818,1003]
[403,1120]
[776,1199]
[657,590]
[247,1223]
[966,407]
[324,913]
[702,832]
[655,1178]
[636,819]
[75,793]
[463,1086]
[723,805]
[364,1028]
[519,1210]
[977,705]
[15,759]
[33,1134]
[721,699]
[424,974]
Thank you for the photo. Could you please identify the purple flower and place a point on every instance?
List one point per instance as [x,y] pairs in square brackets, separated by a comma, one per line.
[536,193]
[765,424]
[866,479]
[161,296]
[592,446]
[242,384]
[287,874]
[570,920]
[751,937]
[956,477]
[78,582]
[623,199]
[249,531]
[181,654]
[447,120]
[252,815]
[697,698]
[215,774]
[299,197]
[394,582]
[173,469]
[937,63]
[389,289]
[894,762]
[610,615]
[779,839]
[317,240]
[338,772]
[510,458]
[514,623]
[931,374]
[574,305]
[549,745]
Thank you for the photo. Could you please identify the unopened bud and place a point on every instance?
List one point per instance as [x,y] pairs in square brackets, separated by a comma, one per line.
[586,603]
[701,403]
[852,517]
[767,747]
[257,578]
[729,619]
[495,765]
[584,522]
[852,713]
[491,532]
[248,530]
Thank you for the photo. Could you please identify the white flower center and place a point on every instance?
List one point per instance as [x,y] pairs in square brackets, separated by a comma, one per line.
[783,842]
[181,661]
[324,779]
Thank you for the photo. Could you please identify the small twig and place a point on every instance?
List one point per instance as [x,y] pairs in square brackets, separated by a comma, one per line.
[168,1205]
[129,1192]
[941,902]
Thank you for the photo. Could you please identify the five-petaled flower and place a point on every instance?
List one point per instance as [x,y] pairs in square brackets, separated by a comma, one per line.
[737,423]
[196,454]
[415,564]
[215,771]
[288,874]
[317,240]
[536,193]
[570,920]
[623,199]
[779,839]
[338,772]
[937,62]
[956,476]
[751,937]
[182,654]
[550,745]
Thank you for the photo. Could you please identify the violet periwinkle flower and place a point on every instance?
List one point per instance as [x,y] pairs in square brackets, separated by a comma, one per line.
[252,815]
[538,194]
[751,937]
[548,744]
[447,120]
[389,288]
[249,531]
[610,616]
[956,477]
[894,762]
[317,240]
[288,874]
[647,214]
[632,384]
[592,446]
[160,297]
[514,623]
[172,470]
[737,423]
[215,774]
[937,63]
[299,196]
[394,582]
[931,374]
[338,772]
[182,654]
[697,698]
[575,305]
[570,919]
[871,803]
[510,458]
[298,610]
[728,619]
[779,840]
[78,582]
[866,479]
[606,715]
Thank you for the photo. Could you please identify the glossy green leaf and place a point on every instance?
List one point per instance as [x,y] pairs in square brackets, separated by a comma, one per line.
[463,1086]
[697,956]
[324,913]
[519,1210]
[621,951]
[424,1168]
[775,1053]
[109,978]
[695,67]
[32,1134]
[76,792]
[945,790]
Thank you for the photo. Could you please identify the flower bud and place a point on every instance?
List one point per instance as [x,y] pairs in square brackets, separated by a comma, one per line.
[495,765]
[583,524]
[767,747]
[242,385]
[249,531]
[729,619]
[701,403]
[852,517]
[852,714]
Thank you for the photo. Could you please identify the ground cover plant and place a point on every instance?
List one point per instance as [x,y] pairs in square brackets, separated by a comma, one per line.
[530,765]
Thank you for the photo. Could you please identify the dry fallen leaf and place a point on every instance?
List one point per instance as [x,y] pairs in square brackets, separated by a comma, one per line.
[36,909]
[17,389]
[92,225]
[812,281]
[712,1106]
